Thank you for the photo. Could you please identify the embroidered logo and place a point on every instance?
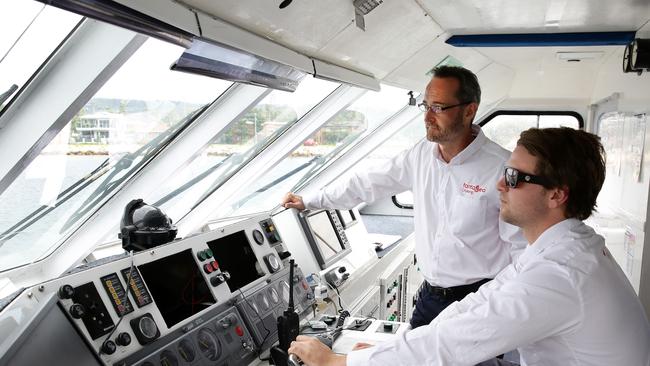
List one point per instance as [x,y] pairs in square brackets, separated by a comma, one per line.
[473,188]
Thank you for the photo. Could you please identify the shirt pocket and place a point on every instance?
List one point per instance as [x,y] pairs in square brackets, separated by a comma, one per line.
[468,215]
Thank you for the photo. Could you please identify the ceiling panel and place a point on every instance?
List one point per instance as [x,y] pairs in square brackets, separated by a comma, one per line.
[508,16]
[395,31]
[305,25]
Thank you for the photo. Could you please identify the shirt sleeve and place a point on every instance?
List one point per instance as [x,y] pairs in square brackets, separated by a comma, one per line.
[498,318]
[365,185]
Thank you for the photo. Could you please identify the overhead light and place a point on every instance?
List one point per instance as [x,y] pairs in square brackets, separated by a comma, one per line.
[542,39]
[216,60]
[362,8]
[579,56]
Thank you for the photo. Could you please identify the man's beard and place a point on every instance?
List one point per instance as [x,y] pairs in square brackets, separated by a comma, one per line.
[435,134]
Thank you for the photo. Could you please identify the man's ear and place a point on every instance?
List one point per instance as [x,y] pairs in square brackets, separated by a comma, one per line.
[558,197]
[470,111]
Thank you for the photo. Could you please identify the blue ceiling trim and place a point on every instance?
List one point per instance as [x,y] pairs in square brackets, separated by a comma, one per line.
[542,39]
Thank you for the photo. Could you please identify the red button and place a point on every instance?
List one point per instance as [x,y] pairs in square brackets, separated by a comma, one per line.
[215,265]
[304,285]
[208,268]
[239,331]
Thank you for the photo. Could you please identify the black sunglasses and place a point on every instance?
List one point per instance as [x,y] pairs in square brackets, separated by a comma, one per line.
[513,176]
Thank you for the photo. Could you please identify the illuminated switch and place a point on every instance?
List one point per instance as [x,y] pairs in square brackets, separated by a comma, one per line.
[202,255]
[215,265]
[239,331]
[208,268]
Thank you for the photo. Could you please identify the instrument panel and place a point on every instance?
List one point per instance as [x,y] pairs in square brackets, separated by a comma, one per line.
[190,301]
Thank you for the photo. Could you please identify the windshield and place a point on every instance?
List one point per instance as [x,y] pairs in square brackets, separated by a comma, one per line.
[236,145]
[319,150]
[112,137]
[31,31]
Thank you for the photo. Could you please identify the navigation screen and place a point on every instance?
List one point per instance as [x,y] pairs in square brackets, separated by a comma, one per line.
[326,239]
[234,254]
[177,286]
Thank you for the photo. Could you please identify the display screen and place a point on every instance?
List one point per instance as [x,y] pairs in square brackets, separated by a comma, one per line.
[347,217]
[234,254]
[177,286]
[324,234]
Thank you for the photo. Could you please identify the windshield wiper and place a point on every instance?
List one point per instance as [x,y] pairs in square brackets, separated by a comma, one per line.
[191,182]
[105,188]
[43,210]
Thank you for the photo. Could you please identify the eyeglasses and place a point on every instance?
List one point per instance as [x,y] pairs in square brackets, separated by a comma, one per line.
[513,176]
[435,109]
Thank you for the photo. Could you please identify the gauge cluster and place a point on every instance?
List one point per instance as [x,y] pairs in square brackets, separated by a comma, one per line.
[204,300]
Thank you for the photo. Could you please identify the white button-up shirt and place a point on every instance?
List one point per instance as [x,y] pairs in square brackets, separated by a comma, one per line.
[458,234]
[564,301]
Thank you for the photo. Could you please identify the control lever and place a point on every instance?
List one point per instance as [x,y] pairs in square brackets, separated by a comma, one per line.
[294,360]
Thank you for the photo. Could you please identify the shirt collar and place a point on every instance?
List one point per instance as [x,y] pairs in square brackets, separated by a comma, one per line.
[471,149]
[548,238]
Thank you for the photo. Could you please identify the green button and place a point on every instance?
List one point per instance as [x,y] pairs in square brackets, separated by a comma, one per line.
[208,252]
[202,255]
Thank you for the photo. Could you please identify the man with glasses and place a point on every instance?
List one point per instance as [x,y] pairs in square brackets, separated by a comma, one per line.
[460,242]
[564,301]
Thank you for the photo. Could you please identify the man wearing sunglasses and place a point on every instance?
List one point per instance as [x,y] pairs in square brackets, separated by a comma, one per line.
[564,301]
[460,242]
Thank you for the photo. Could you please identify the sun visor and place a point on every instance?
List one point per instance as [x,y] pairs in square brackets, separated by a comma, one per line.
[224,62]
[326,71]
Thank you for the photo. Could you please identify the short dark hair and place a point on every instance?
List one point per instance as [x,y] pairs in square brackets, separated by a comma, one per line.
[569,158]
[469,90]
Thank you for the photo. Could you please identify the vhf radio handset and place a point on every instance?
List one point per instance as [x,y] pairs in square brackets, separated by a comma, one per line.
[288,327]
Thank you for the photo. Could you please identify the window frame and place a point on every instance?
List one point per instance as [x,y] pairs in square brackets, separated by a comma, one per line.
[491,116]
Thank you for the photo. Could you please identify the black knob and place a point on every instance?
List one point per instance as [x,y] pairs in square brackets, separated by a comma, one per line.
[388,327]
[77,311]
[66,292]
[123,339]
[217,280]
[341,269]
[226,275]
[284,255]
[109,347]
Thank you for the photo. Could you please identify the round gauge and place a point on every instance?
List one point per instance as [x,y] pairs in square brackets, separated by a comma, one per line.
[167,358]
[208,344]
[258,237]
[284,290]
[186,350]
[147,327]
[273,262]
[273,293]
[264,301]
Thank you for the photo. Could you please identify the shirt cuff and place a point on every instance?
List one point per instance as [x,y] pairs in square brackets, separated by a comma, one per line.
[360,357]
[311,200]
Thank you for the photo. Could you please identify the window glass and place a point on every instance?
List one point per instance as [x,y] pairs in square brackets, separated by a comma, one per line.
[118,131]
[31,31]
[236,145]
[547,121]
[319,150]
[404,139]
[504,129]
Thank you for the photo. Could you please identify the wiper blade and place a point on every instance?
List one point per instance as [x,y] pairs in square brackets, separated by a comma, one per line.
[191,182]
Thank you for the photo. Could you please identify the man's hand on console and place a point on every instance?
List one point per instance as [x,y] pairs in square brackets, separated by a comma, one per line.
[314,353]
[291,200]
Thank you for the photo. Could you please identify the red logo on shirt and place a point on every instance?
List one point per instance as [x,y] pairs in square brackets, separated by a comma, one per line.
[473,188]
